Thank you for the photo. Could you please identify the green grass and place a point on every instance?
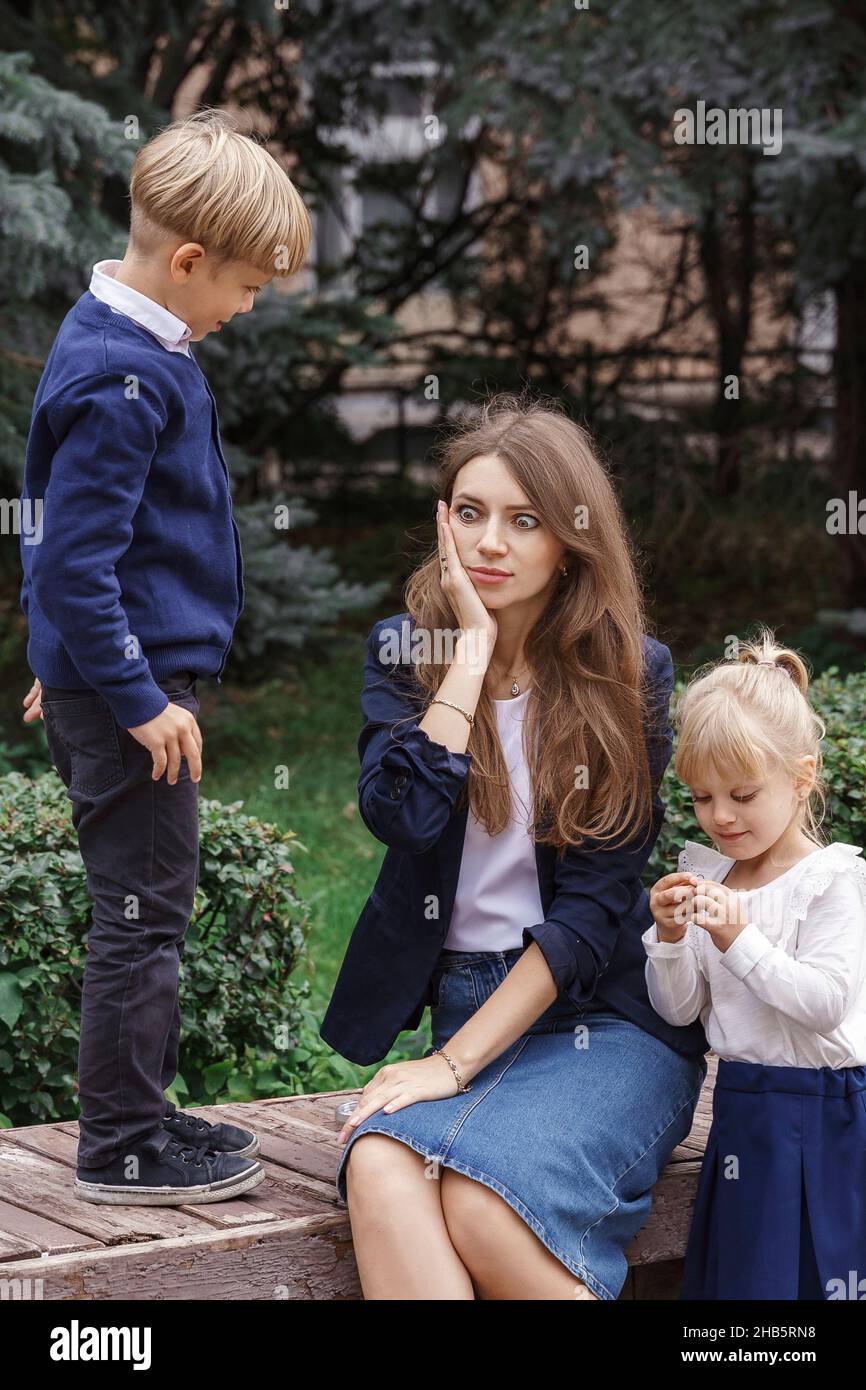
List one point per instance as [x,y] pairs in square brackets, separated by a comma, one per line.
[310,729]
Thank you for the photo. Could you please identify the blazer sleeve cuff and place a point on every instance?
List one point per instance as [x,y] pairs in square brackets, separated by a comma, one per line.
[416,747]
[569,960]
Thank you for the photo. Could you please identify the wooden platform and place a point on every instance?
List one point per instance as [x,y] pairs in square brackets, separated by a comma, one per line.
[289,1238]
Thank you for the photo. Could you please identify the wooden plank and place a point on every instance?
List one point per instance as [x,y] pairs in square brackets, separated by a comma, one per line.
[49,1140]
[41,1234]
[307,1258]
[13,1247]
[682,1153]
[289,1195]
[305,1149]
[311,1095]
[323,1110]
[35,1183]
[299,1181]
[665,1234]
[255,1116]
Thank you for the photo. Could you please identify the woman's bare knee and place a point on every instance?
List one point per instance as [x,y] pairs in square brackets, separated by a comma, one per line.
[378,1163]
[398,1229]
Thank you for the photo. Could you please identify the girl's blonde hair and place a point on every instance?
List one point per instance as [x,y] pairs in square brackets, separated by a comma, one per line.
[746,716]
[588,708]
[203,180]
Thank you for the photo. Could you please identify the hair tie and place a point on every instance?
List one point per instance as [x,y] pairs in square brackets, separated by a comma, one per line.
[764,662]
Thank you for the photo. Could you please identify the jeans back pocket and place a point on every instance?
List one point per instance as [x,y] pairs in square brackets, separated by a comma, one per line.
[85,726]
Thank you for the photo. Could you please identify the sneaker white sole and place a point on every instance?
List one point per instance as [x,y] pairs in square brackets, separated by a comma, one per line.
[169,1196]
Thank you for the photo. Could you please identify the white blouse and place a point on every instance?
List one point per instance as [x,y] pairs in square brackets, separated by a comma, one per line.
[790,991]
[497,890]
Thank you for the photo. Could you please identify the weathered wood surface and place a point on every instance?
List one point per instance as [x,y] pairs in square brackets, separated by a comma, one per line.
[289,1238]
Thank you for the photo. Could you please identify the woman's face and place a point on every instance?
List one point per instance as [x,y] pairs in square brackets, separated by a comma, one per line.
[496,527]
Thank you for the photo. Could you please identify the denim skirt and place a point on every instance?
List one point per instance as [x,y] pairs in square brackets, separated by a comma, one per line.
[780,1210]
[571,1124]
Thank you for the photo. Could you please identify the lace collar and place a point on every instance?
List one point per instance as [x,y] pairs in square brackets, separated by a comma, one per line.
[793,896]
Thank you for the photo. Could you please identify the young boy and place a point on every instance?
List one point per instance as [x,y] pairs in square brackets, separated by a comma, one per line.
[131,594]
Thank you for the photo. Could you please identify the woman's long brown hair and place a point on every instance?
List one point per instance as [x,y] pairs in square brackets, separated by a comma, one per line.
[585,710]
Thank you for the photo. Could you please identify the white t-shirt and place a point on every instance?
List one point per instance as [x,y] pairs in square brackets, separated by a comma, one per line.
[790,991]
[497,890]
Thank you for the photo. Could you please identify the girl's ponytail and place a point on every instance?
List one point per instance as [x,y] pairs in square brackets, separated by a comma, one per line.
[765,651]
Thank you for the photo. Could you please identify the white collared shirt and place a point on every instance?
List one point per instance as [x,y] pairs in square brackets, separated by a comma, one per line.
[790,990]
[169,330]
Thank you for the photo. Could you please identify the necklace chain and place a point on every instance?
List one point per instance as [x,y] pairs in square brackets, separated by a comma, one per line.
[515,685]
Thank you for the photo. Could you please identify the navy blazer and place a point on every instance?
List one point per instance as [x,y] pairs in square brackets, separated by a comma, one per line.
[595,906]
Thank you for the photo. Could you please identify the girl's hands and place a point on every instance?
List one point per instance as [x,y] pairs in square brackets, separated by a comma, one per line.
[458,587]
[671,903]
[399,1084]
[720,911]
[678,899]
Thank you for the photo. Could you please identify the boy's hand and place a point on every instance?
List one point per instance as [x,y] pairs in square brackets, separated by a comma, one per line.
[671,902]
[33,699]
[172,735]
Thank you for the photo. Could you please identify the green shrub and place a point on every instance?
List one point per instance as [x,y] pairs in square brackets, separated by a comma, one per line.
[245,1029]
[842,706]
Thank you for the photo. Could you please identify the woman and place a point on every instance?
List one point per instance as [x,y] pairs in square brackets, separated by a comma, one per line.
[515,736]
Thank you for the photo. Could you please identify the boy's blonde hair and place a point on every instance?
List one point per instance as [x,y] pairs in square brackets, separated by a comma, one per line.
[743,716]
[202,180]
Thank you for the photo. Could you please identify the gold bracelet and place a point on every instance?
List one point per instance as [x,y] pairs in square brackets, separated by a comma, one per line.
[461,1086]
[465,713]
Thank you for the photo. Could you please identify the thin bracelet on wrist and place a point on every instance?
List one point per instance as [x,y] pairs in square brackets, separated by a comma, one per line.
[464,712]
[461,1084]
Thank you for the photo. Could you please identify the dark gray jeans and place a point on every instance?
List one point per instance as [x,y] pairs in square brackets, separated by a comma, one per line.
[139,841]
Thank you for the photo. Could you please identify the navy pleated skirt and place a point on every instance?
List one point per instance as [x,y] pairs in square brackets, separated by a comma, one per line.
[780,1211]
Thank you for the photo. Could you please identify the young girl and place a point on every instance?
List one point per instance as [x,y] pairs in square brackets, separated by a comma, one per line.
[764,939]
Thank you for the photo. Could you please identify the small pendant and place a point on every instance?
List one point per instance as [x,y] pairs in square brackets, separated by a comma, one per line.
[515,688]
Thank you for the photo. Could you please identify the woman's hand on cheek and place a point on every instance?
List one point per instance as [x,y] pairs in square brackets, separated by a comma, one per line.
[458,588]
[399,1084]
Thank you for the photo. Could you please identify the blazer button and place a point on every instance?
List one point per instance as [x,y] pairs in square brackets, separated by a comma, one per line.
[400,780]
[395,795]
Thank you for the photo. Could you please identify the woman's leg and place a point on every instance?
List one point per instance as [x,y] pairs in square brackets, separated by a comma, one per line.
[503,1255]
[422,1231]
[401,1241]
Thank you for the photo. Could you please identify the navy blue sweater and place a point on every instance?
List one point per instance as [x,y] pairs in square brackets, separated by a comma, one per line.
[136,570]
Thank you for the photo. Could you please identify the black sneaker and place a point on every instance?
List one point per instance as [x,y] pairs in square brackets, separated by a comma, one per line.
[221,1138]
[161,1171]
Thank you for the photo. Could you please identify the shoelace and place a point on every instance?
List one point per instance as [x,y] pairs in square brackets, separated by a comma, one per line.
[198,1151]
[193,1122]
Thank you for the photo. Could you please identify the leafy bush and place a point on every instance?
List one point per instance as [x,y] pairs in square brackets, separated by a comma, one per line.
[842,706]
[246,1031]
